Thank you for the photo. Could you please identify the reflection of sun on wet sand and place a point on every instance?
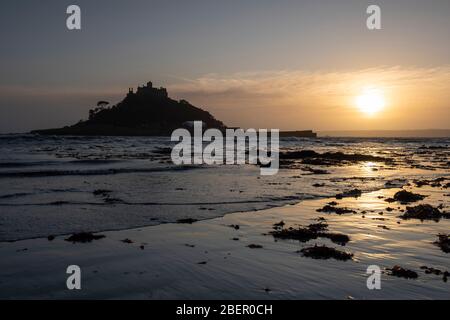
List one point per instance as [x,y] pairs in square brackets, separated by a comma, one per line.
[294,251]
[351,203]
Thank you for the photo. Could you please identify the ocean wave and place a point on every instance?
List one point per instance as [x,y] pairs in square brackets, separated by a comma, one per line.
[156,203]
[57,173]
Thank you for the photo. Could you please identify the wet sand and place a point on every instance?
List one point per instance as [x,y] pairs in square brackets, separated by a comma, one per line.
[215,259]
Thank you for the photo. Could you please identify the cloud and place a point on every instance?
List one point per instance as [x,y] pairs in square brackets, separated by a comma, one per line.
[300,85]
[415,97]
[321,100]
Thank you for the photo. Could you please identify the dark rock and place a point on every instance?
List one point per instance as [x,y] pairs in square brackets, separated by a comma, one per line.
[443,242]
[400,272]
[51,238]
[84,237]
[318,227]
[355,193]
[404,196]
[421,183]
[328,158]
[431,270]
[330,209]
[433,183]
[338,238]
[315,171]
[324,252]
[59,203]
[313,231]
[318,185]
[254,246]
[127,240]
[424,212]
[437,272]
[300,234]
[278,225]
[187,220]
[101,192]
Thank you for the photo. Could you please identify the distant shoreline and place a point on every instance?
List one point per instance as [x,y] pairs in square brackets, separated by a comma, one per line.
[426,133]
[419,134]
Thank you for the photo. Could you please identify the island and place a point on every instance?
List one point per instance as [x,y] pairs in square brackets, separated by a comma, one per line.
[148,111]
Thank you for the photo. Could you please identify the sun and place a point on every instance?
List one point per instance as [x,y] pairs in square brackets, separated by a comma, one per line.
[370,101]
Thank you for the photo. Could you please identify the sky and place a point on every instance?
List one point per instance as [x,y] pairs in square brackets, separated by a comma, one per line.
[286,64]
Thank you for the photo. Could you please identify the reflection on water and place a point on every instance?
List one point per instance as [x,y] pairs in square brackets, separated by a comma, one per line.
[52,181]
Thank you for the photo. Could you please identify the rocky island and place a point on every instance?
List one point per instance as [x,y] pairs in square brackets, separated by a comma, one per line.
[148,111]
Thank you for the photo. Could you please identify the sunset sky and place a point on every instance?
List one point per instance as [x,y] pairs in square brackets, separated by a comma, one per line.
[252,63]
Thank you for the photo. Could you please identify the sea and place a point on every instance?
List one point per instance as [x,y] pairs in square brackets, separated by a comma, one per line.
[55,185]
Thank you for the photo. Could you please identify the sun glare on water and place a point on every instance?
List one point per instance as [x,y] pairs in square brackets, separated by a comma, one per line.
[370,101]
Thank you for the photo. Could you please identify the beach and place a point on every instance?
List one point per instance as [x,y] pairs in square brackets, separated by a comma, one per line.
[223,232]
[212,259]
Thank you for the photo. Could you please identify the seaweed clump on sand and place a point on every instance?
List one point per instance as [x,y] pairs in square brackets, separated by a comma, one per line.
[101,192]
[424,212]
[354,193]
[312,231]
[300,234]
[400,272]
[278,225]
[443,242]
[332,209]
[255,246]
[84,237]
[404,197]
[329,158]
[437,272]
[187,220]
[324,252]
[432,183]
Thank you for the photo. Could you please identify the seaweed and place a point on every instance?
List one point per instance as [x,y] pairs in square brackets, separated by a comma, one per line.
[400,272]
[84,237]
[404,196]
[187,220]
[332,209]
[324,252]
[443,242]
[424,212]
